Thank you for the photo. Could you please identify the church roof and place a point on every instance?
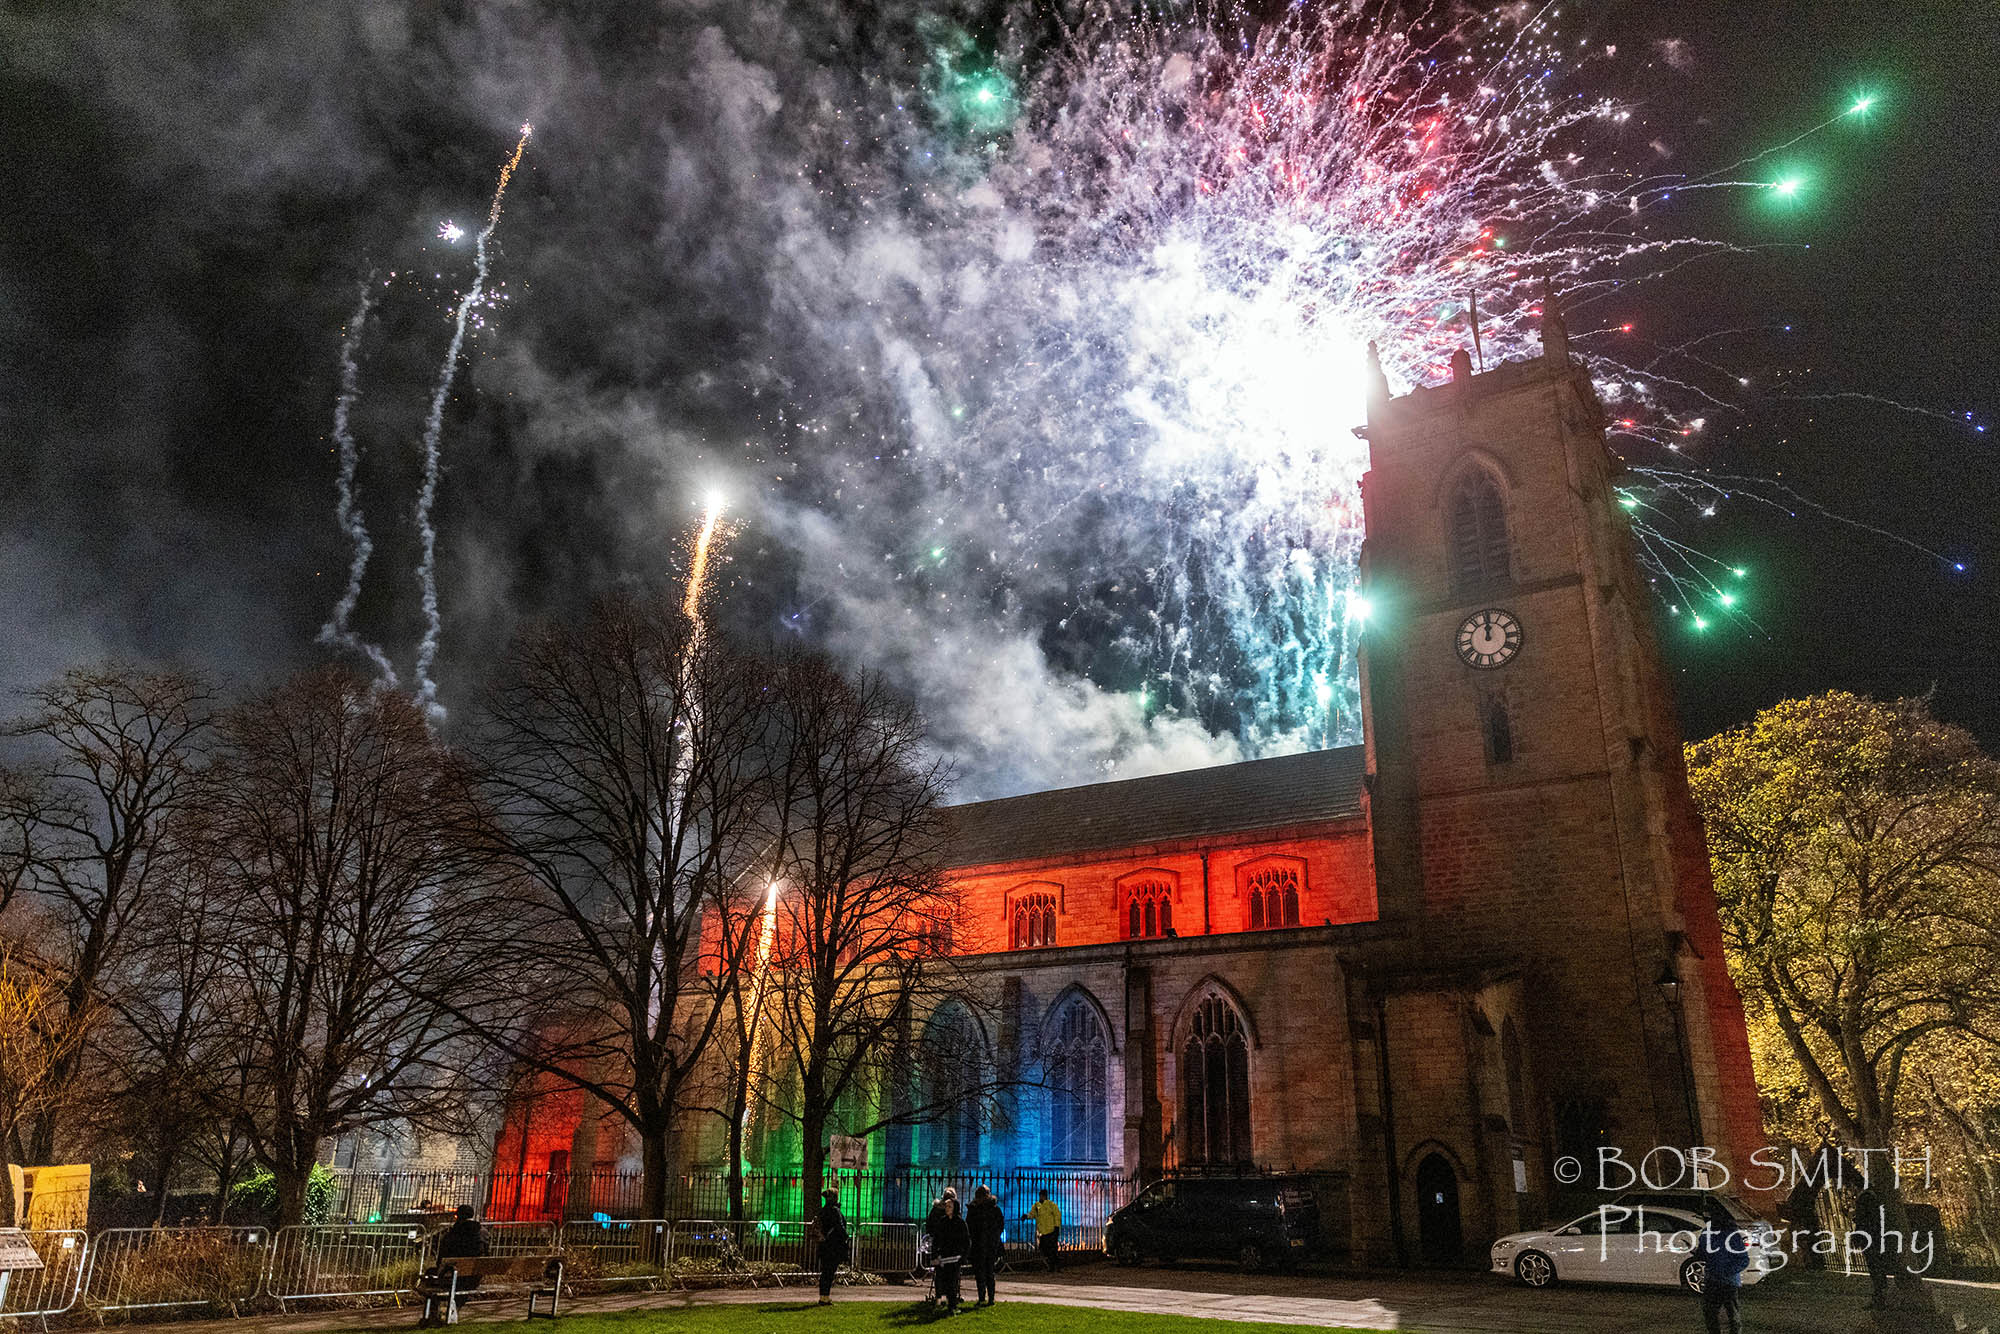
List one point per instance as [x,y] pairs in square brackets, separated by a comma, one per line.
[1315,786]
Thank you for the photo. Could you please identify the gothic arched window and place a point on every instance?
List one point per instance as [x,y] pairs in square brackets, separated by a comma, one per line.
[1034,922]
[1479,557]
[1075,1128]
[1151,912]
[1215,1086]
[1273,892]
[950,1064]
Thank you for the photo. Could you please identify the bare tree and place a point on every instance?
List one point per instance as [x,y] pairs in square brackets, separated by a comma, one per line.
[40,1035]
[168,1059]
[349,897]
[626,760]
[84,826]
[863,922]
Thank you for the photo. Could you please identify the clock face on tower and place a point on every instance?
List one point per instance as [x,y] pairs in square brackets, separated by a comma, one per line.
[1489,638]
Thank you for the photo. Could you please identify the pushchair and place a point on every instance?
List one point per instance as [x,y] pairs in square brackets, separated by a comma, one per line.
[944,1273]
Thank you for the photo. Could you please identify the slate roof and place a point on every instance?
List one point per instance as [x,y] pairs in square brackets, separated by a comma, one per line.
[1197,803]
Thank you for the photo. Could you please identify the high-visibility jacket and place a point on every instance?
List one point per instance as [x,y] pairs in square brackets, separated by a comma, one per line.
[1046,1215]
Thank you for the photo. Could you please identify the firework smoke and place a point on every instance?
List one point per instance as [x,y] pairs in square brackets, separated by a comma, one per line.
[433,437]
[1123,311]
[346,507]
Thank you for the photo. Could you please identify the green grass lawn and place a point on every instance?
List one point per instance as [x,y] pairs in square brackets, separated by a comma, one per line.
[857,1316]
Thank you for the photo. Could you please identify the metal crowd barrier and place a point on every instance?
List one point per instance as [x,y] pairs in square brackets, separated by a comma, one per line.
[53,1289]
[601,1252]
[785,1250]
[514,1240]
[698,1241]
[345,1260]
[134,1269]
[889,1249]
[138,1268]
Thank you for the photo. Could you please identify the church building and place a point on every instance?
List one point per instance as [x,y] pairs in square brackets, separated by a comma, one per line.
[1422,969]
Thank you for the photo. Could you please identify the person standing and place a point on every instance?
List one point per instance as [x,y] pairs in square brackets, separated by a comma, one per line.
[834,1246]
[1048,1227]
[1871,1221]
[1801,1214]
[986,1224]
[1726,1254]
[952,1239]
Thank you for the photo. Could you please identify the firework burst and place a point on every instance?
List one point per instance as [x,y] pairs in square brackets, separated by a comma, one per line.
[1169,261]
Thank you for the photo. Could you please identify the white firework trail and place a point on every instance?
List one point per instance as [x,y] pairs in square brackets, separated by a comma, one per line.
[433,438]
[338,630]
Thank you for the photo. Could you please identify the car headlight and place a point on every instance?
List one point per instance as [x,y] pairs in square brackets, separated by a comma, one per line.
[1505,1244]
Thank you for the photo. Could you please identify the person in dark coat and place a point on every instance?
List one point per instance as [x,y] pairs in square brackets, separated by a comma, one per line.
[1871,1220]
[1726,1252]
[1801,1214]
[835,1246]
[987,1225]
[950,1241]
[463,1240]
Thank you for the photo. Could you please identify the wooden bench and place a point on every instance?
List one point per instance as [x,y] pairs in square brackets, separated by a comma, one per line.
[538,1275]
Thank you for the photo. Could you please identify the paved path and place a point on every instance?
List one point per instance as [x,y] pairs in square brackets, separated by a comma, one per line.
[1442,1304]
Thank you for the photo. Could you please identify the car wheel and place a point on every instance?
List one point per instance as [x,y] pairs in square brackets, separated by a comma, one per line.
[1127,1254]
[1535,1269]
[1251,1257]
[1694,1275]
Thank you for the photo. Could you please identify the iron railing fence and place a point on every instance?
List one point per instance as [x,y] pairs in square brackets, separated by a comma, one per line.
[52,1290]
[1087,1197]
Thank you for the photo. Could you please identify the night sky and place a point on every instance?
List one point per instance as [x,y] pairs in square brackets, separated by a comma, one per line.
[196,191]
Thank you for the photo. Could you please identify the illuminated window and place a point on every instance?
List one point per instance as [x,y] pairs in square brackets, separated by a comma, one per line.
[1150,914]
[1478,534]
[1034,923]
[950,1061]
[1273,892]
[1075,1131]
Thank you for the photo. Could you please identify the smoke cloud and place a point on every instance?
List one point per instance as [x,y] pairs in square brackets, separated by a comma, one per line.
[1009,400]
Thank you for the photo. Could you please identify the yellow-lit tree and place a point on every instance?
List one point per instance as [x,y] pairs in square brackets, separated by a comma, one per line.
[1856,848]
[40,1034]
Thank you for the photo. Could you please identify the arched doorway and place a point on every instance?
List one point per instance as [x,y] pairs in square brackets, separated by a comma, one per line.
[1438,1231]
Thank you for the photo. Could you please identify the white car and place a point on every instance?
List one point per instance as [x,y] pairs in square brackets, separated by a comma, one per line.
[1616,1244]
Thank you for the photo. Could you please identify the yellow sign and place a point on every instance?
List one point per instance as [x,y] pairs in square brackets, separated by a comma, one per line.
[52,1197]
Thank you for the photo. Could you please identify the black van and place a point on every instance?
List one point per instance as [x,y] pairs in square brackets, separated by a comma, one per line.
[1258,1221]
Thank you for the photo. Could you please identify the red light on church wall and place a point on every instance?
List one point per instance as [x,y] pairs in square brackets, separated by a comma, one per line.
[1324,878]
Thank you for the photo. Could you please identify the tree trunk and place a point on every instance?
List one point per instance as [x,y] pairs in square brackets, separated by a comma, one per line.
[225,1177]
[165,1163]
[41,1146]
[812,1175]
[653,1182]
[8,1204]
[739,1108]
[291,1182]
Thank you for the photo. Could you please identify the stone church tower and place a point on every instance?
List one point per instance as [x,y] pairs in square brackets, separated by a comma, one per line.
[1530,809]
